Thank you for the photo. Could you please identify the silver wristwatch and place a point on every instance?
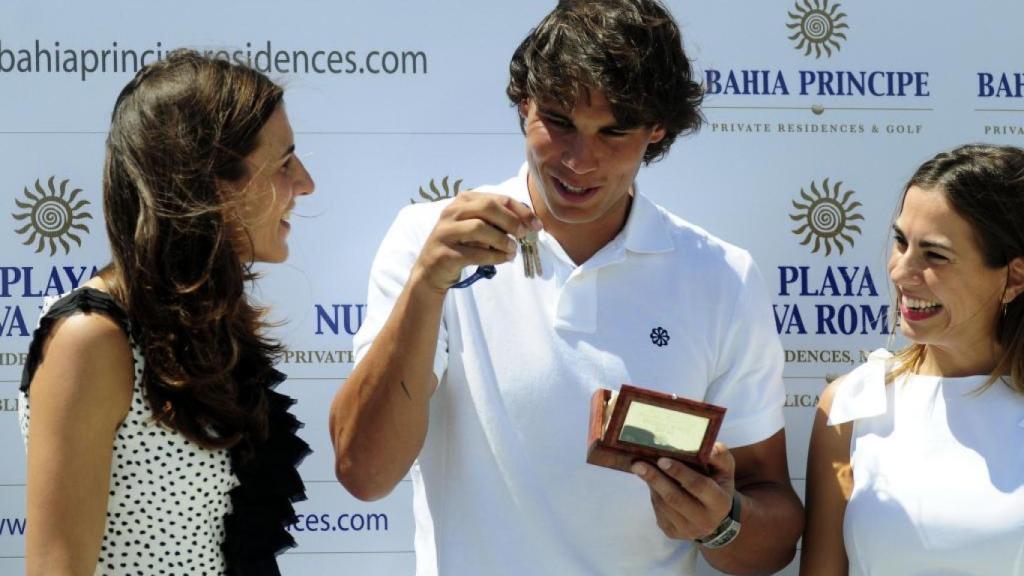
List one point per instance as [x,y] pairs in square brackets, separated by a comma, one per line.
[728,530]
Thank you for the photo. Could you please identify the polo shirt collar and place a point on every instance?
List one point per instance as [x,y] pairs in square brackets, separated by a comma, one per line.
[646,230]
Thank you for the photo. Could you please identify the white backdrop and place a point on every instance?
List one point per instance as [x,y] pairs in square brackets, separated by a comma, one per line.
[818,113]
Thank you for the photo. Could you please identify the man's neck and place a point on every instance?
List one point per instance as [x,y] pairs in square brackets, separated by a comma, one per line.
[581,240]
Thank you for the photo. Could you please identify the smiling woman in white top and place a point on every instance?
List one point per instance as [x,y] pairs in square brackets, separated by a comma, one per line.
[916,462]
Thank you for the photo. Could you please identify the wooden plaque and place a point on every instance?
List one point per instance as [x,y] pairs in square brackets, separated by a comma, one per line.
[640,424]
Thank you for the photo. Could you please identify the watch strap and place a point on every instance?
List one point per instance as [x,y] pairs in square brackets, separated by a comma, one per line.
[728,530]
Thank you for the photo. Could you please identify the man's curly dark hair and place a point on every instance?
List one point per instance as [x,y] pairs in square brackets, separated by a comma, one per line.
[629,50]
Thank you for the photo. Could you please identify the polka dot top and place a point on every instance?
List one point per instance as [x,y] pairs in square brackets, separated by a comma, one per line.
[169,497]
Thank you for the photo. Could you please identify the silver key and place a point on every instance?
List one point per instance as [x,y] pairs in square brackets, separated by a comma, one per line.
[531,255]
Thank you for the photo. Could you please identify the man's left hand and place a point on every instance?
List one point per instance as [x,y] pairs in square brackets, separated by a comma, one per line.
[688,504]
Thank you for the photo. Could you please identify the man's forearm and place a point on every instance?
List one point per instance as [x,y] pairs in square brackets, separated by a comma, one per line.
[771,523]
[378,418]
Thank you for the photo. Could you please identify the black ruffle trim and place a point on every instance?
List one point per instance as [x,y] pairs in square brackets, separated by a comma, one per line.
[88,300]
[269,484]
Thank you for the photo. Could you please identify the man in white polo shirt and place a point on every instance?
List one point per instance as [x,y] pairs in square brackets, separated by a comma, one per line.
[503,370]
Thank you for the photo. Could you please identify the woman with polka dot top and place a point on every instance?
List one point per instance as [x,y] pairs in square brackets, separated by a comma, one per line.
[156,443]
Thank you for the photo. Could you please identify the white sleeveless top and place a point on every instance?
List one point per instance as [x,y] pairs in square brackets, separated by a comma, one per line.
[938,474]
[168,496]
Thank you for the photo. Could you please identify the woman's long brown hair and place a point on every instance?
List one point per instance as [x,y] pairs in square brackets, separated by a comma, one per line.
[180,131]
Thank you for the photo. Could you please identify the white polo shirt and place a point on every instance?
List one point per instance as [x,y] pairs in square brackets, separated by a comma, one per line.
[502,485]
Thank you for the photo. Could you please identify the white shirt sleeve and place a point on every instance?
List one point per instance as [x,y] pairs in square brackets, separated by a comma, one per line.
[388,274]
[748,381]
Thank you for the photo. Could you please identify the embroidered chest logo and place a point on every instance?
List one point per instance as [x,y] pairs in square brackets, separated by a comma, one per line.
[660,337]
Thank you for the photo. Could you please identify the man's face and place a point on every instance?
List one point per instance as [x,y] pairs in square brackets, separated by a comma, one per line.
[582,162]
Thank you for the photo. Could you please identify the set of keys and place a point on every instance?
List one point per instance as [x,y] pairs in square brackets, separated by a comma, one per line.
[531,255]
[531,263]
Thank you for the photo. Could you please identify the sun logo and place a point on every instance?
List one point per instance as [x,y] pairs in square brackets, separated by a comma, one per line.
[443,193]
[826,218]
[816,27]
[52,216]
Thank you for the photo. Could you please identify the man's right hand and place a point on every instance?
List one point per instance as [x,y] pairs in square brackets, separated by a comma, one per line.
[477,228]
[379,417]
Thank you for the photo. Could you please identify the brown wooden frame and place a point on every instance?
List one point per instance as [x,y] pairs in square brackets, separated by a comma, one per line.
[605,448]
